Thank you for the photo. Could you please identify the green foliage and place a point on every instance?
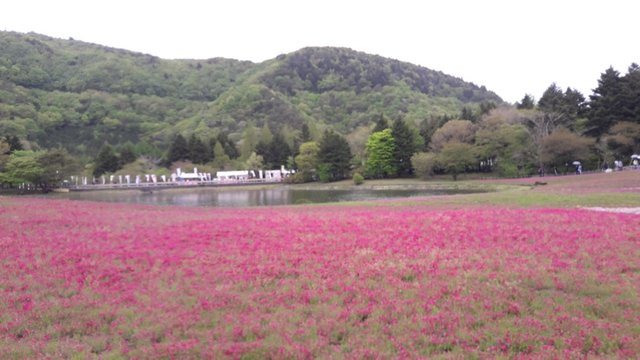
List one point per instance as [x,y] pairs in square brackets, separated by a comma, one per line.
[381,124]
[334,157]
[127,154]
[462,131]
[254,161]
[456,157]
[179,149]
[358,179]
[424,164]
[307,161]
[615,99]
[563,147]
[79,96]
[405,147]
[381,150]
[23,166]
[275,153]
[198,152]
[106,161]
[526,103]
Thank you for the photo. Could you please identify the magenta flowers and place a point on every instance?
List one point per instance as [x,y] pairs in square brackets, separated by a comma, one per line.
[81,278]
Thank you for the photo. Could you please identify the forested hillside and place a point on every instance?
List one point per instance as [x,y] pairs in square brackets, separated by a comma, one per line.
[81,96]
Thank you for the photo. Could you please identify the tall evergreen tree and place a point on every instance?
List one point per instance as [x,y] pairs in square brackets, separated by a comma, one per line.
[179,149]
[229,146]
[527,102]
[106,161]
[305,134]
[334,157]
[274,153]
[404,147]
[381,124]
[604,107]
[552,99]
[14,143]
[127,154]
[198,150]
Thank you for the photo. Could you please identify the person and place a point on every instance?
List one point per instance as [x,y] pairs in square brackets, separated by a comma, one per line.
[579,169]
[541,171]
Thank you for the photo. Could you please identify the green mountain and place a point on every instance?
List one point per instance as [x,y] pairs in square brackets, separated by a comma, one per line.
[79,95]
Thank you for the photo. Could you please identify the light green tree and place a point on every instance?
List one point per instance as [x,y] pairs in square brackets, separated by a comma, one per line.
[456,157]
[380,155]
[307,161]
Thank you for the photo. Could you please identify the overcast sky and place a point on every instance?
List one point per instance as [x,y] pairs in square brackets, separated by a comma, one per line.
[512,47]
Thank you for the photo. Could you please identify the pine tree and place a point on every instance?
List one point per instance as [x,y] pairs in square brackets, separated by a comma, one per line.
[127,154]
[14,143]
[404,147]
[106,161]
[381,124]
[229,147]
[198,151]
[604,107]
[305,135]
[178,150]
[334,157]
[527,102]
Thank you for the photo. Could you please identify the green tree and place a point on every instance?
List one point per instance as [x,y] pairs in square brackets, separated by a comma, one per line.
[220,159]
[552,99]
[381,124]
[249,141]
[14,143]
[4,154]
[623,139]
[563,147]
[199,153]
[334,157]
[424,164]
[274,153]
[254,162]
[462,131]
[56,165]
[179,150]
[381,149]
[127,154]
[106,161]
[604,107]
[23,167]
[307,161]
[456,157]
[229,146]
[305,134]
[404,148]
[526,103]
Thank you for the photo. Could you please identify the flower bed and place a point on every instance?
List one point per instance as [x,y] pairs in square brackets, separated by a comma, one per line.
[100,280]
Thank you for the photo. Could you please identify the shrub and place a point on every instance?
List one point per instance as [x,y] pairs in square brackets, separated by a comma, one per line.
[358,179]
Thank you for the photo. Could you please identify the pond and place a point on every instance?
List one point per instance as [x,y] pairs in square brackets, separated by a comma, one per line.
[243,197]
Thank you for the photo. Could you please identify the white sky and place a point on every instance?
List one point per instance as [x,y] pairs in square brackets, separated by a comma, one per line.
[512,47]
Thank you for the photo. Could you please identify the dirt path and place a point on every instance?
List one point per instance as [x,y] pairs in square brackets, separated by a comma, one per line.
[626,210]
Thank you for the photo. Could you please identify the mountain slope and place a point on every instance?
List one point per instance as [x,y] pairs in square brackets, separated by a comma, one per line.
[69,93]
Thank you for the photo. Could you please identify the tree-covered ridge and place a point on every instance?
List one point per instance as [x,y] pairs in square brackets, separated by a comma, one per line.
[41,62]
[82,96]
[324,69]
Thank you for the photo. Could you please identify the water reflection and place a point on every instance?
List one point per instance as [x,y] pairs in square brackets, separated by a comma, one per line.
[244,197]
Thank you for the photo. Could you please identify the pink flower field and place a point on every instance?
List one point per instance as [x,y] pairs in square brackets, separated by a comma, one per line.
[96,280]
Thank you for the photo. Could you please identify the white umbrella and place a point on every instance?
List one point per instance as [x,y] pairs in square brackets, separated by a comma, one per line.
[635,156]
[576,163]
